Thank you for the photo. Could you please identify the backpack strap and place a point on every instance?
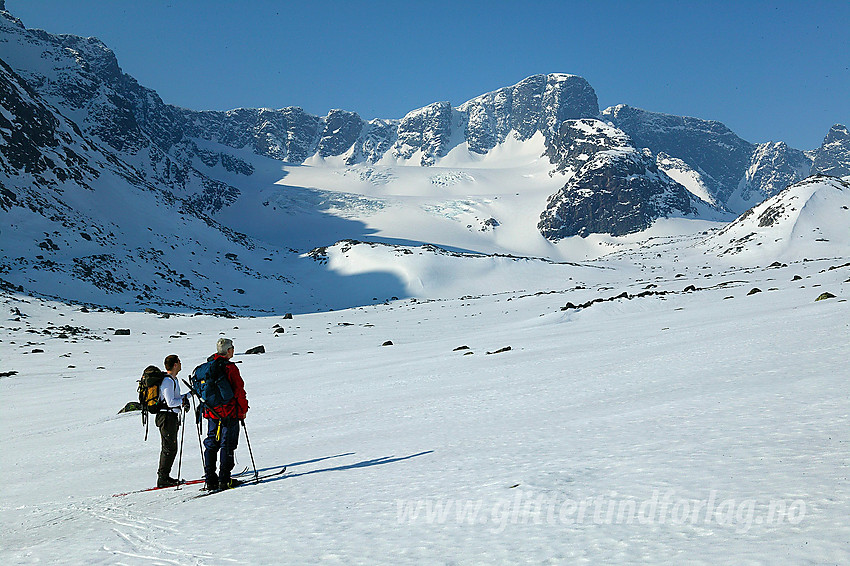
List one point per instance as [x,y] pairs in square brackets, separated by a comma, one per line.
[145,420]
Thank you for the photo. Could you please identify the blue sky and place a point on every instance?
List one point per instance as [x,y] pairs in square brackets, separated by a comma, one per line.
[768,70]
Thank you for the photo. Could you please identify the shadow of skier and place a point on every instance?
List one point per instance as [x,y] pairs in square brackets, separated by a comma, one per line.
[293,464]
[363,464]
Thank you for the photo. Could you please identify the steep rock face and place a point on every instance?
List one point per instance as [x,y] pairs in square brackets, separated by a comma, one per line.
[81,77]
[618,191]
[50,166]
[37,128]
[427,130]
[287,134]
[38,149]
[577,141]
[612,188]
[833,156]
[707,146]
[80,223]
[376,138]
[538,103]
[773,166]
[340,133]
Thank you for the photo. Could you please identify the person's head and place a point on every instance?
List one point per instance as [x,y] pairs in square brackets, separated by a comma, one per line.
[224,347]
[172,364]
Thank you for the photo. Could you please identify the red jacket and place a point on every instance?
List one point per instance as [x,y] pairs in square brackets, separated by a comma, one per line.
[238,406]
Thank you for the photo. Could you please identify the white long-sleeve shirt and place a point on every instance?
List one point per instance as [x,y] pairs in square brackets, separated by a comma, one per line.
[169,392]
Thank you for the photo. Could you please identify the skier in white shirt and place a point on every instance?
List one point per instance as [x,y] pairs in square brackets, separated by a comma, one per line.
[168,420]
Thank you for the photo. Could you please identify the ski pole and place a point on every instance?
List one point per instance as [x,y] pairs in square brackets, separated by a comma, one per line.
[182,436]
[197,412]
[251,452]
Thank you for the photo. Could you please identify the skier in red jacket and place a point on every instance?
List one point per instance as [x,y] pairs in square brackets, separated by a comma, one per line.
[223,433]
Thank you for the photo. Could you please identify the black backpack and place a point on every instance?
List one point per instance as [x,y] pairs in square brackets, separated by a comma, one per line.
[149,400]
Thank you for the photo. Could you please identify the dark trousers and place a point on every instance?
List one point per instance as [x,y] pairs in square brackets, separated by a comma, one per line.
[221,442]
[168,424]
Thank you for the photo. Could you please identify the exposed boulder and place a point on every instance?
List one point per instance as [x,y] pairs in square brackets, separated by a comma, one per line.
[500,350]
[130,407]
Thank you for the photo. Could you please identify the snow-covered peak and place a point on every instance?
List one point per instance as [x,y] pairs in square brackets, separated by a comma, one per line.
[810,219]
[833,156]
[538,103]
[247,178]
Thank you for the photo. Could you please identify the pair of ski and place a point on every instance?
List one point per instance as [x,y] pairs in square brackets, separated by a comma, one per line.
[255,480]
[188,482]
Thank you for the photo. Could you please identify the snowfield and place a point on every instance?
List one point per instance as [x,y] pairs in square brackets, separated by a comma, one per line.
[704,426]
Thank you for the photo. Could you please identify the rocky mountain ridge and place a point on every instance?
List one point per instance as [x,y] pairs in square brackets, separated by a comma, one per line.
[89,156]
[737,174]
[535,104]
[82,76]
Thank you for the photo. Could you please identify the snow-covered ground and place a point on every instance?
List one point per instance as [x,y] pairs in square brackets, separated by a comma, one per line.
[700,427]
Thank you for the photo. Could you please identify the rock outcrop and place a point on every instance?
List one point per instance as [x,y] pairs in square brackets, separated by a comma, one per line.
[833,156]
[773,167]
[614,188]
